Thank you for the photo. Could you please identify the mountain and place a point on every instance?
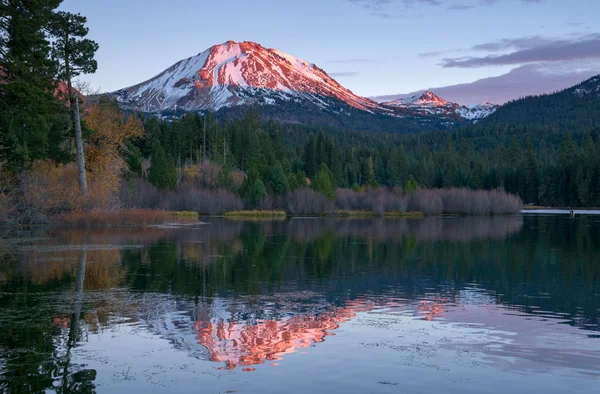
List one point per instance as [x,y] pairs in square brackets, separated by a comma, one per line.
[232,74]
[575,107]
[428,104]
[229,77]
[523,81]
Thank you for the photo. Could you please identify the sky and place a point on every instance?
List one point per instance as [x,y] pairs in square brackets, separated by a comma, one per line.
[472,50]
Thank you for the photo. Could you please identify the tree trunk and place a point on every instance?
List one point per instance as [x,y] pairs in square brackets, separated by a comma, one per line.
[74,102]
[79,141]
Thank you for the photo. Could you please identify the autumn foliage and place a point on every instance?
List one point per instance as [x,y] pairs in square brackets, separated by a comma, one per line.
[104,151]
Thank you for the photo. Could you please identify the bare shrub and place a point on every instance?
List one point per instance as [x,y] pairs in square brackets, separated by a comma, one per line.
[214,202]
[347,199]
[266,204]
[503,203]
[47,189]
[139,193]
[479,202]
[379,200]
[203,175]
[426,201]
[307,202]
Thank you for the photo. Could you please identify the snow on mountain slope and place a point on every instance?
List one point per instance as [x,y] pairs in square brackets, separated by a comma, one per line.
[588,88]
[234,73]
[429,104]
[245,73]
[478,111]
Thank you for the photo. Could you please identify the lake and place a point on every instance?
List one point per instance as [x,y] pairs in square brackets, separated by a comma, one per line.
[443,304]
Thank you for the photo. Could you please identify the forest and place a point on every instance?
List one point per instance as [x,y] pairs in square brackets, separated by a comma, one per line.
[544,165]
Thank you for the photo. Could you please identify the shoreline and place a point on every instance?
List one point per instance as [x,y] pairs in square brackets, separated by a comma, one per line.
[147,218]
[561,211]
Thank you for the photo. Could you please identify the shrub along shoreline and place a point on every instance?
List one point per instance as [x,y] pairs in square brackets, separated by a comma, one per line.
[162,207]
[306,202]
[138,202]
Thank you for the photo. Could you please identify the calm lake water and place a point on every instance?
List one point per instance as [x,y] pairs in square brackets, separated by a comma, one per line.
[445,305]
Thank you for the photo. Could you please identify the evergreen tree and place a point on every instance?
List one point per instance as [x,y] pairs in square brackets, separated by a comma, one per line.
[257,192]
[368,171]
[531,194]
[278,181]
[162,172]
[299,181]
[411,185]
[225,179]
[398,167]
[323,182]
[74,55]
[133,158]
[32,119]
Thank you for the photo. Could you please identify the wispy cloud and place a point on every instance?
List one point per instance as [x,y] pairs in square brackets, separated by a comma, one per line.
[381,5]
[372,4]
[352,61]
[528,50]
[514,43]
[343,74]
[522,81]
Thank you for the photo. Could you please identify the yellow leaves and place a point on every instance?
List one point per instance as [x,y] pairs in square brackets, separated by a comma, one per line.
[103,151]
[51,187]
[110,129]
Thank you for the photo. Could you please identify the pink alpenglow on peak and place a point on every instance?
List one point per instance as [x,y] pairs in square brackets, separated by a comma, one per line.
[246,73]
[233,73]
[429,104]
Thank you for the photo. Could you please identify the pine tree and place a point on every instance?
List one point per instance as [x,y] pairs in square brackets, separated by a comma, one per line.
[278,181]
[398,167]
[32,119]
[162,172]
[323,182]
[74,55]
[225,179]
[133,158]
[532,176]
[257,192]
[411,185]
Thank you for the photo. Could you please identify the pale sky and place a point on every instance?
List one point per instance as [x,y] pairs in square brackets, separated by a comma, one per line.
[373,47]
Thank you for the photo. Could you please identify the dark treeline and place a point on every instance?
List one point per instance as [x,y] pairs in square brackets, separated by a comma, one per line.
[544,165]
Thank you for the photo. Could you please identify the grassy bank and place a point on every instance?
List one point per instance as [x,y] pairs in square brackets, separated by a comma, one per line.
[269,214]
[256,214]
[124,217]
[370,214]
[404,215]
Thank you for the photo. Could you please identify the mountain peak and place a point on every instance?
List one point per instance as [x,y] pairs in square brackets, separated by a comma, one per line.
[237,73]
[430,104]
[431,98]
[234,74]
[428,98]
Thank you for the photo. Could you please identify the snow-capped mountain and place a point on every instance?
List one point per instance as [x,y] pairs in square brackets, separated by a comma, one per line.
[428,104]
[232,74]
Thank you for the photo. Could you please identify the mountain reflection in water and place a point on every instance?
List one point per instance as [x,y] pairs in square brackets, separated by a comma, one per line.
[507,293]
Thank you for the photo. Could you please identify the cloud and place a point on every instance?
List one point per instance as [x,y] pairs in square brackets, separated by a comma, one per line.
[532,79]
[380,5]
[372,4]
[352,61]
[384,15]
[530,50]
[343,74]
